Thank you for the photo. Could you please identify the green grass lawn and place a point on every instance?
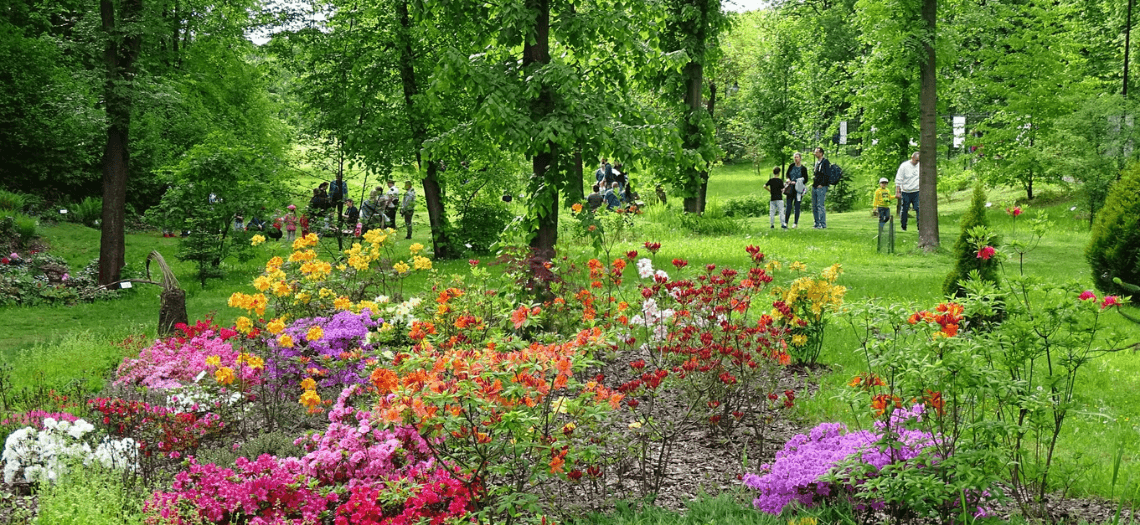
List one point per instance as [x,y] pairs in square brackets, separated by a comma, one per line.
[55,343]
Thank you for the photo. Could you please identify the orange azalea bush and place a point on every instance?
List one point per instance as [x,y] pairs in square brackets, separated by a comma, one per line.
[510,414]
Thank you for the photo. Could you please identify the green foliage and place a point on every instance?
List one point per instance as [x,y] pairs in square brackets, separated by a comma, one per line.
[479,227]
[86,212]
[713,221]
[965,252]
[16,229]
[746,206]
[273,443]
[92,495]
[10,201]
[209,186]
[1114,249]
[1094,144]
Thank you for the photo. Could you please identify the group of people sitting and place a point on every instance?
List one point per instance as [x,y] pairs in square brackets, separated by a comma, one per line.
[378,210]
[612,189]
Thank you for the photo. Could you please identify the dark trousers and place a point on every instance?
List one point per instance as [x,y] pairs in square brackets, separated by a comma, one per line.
[909,198]
[793,202]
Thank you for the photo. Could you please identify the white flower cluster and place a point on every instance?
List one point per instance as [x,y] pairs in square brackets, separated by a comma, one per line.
[645,270]
[653,318]
[402,313]
[33,455]
[191,398]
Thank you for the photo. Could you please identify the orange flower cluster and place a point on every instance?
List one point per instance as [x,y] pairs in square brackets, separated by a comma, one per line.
[866,382]
[934,400]
[881,402]
[481,384]
[946,315]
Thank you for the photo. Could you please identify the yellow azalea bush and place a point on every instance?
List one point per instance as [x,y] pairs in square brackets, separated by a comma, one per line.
[803,307]
[307,284]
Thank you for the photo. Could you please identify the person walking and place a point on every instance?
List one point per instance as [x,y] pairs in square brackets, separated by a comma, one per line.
[819,186]
[798,174]
[408,206]
[775,187]
[906,188]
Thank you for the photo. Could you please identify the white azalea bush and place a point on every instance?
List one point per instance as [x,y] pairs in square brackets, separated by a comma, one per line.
[32,455]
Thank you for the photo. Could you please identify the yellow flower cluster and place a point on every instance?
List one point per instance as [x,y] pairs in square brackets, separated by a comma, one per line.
[276,326]
[249,303]
[244,324]
[251,361]
[257,239]
[809,297]
[309,398]
[304,242]
[302,279]
[315,333]
[224,375]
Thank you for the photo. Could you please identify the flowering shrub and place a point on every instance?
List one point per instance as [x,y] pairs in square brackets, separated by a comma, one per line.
[332,349]
[304,285]
[32,455]
[803,307]
[35,418]
[830,465]
[353,472]
[265,491]
[180,360]
[157,427]
[507,414]
[356,451]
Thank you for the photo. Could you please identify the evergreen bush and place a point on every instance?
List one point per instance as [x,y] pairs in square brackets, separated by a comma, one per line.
[1114,250]
[965,254]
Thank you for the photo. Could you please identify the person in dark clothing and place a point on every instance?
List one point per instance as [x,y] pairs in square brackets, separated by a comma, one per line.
[798,173]
[661,196]
[351,213]
[819,184]
[595,200]
[775,187]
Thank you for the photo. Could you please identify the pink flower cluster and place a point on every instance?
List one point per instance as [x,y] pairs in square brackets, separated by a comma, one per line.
[268,491]
[35,418]
[1109,300]
[177,361]
[354,450]
[352,470]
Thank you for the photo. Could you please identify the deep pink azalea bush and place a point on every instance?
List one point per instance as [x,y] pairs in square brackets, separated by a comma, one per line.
[433,497]
[266,491]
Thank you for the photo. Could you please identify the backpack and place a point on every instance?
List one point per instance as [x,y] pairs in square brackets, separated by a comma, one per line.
[835,175]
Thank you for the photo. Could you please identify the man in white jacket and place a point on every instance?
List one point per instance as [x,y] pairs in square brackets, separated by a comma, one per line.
[906,187]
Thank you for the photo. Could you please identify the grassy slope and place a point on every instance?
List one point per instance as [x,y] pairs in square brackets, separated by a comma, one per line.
[1110,413]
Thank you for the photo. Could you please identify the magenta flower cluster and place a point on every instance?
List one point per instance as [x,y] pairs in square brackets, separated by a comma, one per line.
[267,491]
[178,361]
[35,418]
[340,354]
[797,474]
[347,471]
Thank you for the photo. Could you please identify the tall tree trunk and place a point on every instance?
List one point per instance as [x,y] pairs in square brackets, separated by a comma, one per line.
[928,147]
[577,190]
[119,54]
[546,174]
[694,81]
[433,190]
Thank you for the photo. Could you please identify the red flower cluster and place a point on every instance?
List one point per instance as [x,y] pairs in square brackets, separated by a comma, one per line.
[986,253]
[653,247]
[948,316]
[152,425]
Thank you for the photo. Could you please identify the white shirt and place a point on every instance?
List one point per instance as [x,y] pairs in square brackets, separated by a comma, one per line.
[395,193]
[907,177]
